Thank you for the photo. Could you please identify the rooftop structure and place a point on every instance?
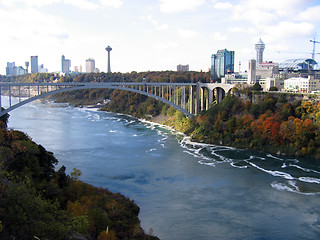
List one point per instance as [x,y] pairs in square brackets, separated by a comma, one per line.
[299,64]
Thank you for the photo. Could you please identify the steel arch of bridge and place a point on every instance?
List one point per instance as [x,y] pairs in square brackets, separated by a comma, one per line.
[165,92]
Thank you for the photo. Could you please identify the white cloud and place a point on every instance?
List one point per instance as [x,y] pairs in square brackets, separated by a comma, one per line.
[28,3]
[311,14]
[165,46]
[282,7]
[241,30]
[288,30]
[186,33]
[266,12]
[82,4]
[222,5]
[111,3]
[155,23]
[172,6]
[24,23]
[254,15]
[218,37]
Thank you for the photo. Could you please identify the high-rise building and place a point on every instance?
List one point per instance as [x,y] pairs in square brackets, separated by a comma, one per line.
[65,64]
[183,68]
[90,65]
[42,69]
[9,68]
[221,63]
[34,64]
[260,46]
[78,69]
[252,73]
[13,70]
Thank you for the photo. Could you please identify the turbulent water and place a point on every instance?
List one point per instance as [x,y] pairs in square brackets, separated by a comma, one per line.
[185,190]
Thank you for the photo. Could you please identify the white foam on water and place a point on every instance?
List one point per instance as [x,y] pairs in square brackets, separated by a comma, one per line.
[273,173]
[284,165]
[206,163]
[192,154]
[271,156]
[304,169]
[291,187]
[151,150]
[309,180]
[113,131]
[233,164]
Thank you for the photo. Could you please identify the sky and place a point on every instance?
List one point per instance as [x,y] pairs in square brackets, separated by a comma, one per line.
[155,35]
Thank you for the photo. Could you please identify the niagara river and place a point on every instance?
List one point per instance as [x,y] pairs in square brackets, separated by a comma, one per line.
[185,190]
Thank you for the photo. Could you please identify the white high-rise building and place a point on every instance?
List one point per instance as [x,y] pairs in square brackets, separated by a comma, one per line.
[90,65]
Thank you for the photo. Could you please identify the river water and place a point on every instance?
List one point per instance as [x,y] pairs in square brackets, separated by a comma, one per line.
[185,190]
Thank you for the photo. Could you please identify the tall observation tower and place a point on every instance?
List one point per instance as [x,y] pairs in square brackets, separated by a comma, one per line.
[260,46]
[108,49]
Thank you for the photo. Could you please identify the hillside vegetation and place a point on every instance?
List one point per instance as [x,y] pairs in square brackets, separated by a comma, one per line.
[38,202]
[270,125]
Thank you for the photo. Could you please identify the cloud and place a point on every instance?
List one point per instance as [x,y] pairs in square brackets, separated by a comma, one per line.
[111,3]
[222,5]
[30,24]
[165,46]
[218,37]
[173,6]
[82,4]
[186,33]
[311,14]
[266,12]
[28,3]
[287,30]
[241,30]
[155,23]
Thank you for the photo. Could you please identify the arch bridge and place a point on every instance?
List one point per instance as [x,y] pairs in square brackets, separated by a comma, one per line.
[188,98]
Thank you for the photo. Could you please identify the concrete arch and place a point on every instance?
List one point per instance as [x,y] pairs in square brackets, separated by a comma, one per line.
[67,89]
[219,94]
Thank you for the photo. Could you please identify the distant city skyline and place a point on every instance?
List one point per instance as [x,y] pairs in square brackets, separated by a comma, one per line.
[155,35]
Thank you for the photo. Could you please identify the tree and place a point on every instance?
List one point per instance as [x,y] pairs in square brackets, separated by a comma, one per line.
[257,87]
[275,89]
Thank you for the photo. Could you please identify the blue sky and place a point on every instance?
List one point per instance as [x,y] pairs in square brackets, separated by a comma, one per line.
[155,35]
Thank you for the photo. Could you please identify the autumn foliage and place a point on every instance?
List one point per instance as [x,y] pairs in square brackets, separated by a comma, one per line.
[270,125]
